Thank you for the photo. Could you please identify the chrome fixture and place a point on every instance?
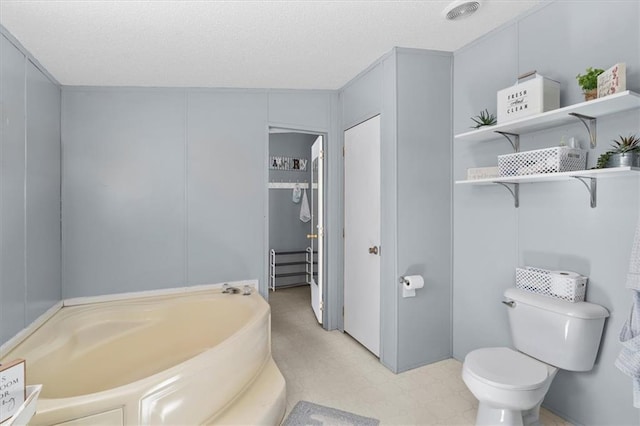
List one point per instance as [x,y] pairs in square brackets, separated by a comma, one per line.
[227,289]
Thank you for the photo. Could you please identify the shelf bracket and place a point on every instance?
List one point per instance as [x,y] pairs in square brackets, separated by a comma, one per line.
[591,187]
[515,191]
[515,143]
[590,124]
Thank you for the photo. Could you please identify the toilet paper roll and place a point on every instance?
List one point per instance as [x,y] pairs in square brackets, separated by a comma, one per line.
[412,282]
[563,283]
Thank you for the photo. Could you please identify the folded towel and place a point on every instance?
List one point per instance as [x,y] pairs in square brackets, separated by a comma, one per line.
[305,212]
[633,277]
[629,359]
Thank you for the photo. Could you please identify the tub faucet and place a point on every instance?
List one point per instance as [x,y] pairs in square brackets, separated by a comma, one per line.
[226,288]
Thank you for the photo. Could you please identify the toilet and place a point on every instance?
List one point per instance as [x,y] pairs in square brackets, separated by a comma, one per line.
[548,334]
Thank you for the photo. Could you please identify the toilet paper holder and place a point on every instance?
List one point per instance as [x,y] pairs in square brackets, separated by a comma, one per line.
[403,280]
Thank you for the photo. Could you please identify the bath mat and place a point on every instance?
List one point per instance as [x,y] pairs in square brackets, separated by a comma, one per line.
[306,413]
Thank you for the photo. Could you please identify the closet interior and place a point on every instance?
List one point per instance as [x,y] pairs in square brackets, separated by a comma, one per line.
[291,200]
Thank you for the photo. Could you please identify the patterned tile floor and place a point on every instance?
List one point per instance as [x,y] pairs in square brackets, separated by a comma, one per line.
[332,369]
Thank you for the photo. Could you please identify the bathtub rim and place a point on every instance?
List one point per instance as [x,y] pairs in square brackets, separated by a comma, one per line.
[23,334]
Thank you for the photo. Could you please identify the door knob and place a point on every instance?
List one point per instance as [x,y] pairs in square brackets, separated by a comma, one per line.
[373,250]
[312,236]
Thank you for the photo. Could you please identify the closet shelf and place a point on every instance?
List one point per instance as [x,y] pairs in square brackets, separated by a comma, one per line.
[596,108]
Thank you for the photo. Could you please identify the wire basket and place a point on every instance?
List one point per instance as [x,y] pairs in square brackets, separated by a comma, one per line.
[547,283]
[547,160]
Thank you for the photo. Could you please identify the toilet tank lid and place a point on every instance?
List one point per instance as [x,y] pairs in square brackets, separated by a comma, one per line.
[583,310]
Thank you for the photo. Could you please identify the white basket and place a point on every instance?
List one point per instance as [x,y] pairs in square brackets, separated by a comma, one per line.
[547,160]
[543,282]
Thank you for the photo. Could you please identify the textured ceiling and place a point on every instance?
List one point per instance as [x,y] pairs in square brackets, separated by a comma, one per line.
[253,44]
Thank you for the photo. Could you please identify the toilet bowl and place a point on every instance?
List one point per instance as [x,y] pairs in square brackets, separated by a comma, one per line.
[509,385]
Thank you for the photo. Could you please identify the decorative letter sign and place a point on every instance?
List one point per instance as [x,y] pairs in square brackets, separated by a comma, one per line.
[12,388]
[613,80]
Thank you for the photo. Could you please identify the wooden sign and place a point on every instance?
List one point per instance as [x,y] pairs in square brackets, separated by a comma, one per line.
[613,80]
[12,388]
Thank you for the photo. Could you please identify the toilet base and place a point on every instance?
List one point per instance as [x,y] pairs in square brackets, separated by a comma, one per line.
[492,416]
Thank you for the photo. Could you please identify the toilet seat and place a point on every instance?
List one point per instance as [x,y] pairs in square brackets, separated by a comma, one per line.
[506,369]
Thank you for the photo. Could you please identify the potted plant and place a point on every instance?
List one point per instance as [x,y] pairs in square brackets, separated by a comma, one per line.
[589,82]
[483,119]
[625,152]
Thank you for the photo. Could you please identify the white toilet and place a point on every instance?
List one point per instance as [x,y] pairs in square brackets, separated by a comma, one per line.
[548,334]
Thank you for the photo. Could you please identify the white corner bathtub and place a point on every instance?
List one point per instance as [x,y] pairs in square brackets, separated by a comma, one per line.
[187,358]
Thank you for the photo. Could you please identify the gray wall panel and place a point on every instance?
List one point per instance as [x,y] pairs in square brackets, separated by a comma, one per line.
[424,205]
[484,218]
[362,98]
[12,185]
[44,286]
[123,194]
[226,199]
[300,109]
[563,40]
[388,109]
[554,227]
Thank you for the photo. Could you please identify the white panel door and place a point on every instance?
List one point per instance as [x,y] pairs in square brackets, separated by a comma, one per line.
[362,233]
[316,237]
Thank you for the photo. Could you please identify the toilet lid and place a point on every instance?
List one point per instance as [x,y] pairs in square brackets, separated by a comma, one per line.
[506,368]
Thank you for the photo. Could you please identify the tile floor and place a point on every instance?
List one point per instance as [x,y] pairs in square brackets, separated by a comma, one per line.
[332,369]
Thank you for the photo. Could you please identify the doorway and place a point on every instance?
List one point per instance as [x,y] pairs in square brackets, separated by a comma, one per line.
[362,249]
[296,214]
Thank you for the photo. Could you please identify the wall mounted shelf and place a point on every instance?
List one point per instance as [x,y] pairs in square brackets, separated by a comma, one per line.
[587,177]
[586,112]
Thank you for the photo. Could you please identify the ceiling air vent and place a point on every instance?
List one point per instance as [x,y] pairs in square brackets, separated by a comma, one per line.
[461,9]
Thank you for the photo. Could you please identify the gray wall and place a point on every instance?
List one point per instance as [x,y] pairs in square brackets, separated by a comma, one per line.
[29,190]
[411,90]
[165,187]
[554,227]
[286,230]
[424,204]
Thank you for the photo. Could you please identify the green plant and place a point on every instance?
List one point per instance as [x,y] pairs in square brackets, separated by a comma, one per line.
[589,81]
[624,144]
[603,159]
[484,119]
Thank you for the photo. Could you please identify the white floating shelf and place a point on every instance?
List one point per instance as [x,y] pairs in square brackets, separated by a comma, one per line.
[596,108]
[549,177]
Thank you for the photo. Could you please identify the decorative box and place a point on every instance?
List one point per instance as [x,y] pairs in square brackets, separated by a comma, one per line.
[533,96]
[547,160]
[474,173]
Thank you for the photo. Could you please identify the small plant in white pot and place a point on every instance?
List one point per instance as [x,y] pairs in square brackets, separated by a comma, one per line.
[625,152]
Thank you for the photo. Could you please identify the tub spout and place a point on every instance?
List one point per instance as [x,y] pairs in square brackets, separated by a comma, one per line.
[246,290]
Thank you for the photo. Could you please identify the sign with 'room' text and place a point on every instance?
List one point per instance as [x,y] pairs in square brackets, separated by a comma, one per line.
[12,388]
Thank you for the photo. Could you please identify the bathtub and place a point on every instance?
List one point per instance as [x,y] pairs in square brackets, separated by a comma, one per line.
[185,357]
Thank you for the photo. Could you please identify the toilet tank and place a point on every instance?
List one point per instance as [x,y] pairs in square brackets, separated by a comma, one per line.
[563,334]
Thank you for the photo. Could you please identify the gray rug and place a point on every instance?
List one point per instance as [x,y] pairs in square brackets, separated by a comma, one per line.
[306,413]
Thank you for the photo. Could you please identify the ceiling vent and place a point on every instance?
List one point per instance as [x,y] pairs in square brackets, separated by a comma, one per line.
[460,9]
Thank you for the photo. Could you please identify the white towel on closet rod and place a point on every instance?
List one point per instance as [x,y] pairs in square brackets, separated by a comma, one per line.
[297,193]
[305,212]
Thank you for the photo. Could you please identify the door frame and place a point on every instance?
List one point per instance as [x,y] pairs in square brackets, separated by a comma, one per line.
[264,287]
